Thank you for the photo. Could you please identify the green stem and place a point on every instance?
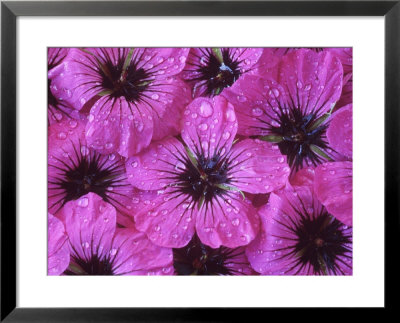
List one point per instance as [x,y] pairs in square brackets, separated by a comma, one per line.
[218,54]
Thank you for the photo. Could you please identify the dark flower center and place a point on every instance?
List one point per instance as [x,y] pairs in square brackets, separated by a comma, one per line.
[204,181]
[129,83]
[302,137]
[216,75]
[199,259]
[321,240]
[89,172]
[92,266]
[56,58]
[51,99]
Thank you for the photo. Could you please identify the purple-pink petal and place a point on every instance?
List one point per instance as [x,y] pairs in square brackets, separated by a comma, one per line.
[168,218]
[313,80]
[289,244]
[334,188]
[132,253]
[90,224]
[209,125]
[340,131]
[258,166]
[58,250]
[153,168]
[229,220]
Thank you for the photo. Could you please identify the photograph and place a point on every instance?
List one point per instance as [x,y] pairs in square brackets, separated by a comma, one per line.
[200,161]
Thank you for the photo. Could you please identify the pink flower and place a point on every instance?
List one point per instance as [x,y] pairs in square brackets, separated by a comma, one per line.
[199,182]
[199,259]
[294,111]
[299,236]
[128,87]
[210,70]
[57,108]
[74,170]
[340,131]
[333,186]
[58,251]
[97,247]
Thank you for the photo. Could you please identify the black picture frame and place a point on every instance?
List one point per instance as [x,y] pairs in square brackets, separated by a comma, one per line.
[10,10]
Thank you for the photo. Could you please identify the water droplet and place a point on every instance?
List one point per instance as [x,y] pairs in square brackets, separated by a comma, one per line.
[256,112]
[73,123]
[280,159]
[299,84]
[194,115]
[332,172]
[230,115]
[241,98]
[226,135]
[90,117]
[203,126]
[171,59]
[205,109]
[113,252]
[134,164]
[86,245]
[204,144]
[62,135]
[58,116]
[157,228]
[109,145]
[235,222]
[155,96]
[83,202]
[274,92]
[84,150]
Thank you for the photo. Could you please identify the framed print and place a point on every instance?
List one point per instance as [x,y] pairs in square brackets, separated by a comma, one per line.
[250,142]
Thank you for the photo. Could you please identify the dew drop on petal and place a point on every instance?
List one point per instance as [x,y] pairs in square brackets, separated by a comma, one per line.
[235,222]
[230,115]
[205,109]
[62,135]
[203,126]
[256,112]
[241,98]
[113,252]
[204,144]
[299,84]
[226,135]
[84,150]
[83,202]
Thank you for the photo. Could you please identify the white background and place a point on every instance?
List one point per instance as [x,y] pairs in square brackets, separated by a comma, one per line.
[364,288]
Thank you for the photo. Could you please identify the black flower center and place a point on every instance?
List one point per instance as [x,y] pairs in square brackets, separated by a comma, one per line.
[321,243]
[129,83]
[302,138]
[215,74]
[88,172]
[205,179]
[92,266]
[199,259]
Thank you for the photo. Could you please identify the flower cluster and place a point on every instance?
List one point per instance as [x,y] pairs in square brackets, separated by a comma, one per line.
[200,161]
